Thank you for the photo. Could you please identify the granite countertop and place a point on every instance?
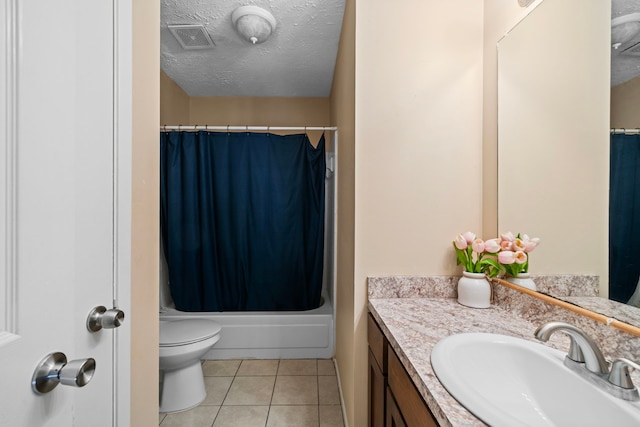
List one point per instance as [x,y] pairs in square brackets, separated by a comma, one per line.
[414,325]
[623,312]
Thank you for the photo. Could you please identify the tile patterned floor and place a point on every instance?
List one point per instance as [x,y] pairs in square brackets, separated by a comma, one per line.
[265,393]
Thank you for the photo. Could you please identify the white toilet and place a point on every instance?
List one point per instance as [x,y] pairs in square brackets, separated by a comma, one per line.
[182,345]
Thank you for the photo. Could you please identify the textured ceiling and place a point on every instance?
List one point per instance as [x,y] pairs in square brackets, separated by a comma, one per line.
[299,57]
[297,60]
[624,65]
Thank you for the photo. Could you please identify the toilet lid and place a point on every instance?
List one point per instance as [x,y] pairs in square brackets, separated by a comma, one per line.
[181,332]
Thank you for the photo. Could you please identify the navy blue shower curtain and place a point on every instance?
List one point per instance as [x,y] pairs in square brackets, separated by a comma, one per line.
[242,220]
[624,216]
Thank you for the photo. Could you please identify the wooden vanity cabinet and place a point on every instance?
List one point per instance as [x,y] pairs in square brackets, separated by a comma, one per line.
[405,396]
[394,401]
[394,417]
[378,351]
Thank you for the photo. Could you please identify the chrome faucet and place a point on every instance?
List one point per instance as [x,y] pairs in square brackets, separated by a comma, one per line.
[586,359]
[582,348]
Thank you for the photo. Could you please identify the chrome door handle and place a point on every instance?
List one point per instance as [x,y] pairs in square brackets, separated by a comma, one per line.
[54,369]
[100,318]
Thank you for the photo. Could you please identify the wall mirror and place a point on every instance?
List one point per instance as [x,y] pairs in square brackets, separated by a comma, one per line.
[553,138]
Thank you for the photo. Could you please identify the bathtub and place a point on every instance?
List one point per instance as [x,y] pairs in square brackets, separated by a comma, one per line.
[269,334]
[276,335]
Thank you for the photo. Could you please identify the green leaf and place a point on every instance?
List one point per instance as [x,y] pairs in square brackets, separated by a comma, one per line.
[469,266]
[513,269]
[461,258]
[491,267]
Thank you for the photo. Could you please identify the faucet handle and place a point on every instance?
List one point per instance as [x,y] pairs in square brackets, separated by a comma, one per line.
[619,375]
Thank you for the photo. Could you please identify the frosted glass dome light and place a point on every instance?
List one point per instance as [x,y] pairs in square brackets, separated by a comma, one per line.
[253,23]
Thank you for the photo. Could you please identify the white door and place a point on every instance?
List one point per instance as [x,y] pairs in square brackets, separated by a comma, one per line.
[64,205]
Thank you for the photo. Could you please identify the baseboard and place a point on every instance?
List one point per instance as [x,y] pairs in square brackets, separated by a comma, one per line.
[342,405]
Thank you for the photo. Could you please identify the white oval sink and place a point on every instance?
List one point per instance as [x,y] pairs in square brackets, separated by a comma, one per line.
[507,381]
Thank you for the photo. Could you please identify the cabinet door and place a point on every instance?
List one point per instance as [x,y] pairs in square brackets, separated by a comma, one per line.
[377,385]
[377,343]
[413,408]
[394,417]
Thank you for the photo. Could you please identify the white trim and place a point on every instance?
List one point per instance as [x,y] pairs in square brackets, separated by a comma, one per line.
[7,337]
[334,291]
[8,180]
[342,405]
[122,143]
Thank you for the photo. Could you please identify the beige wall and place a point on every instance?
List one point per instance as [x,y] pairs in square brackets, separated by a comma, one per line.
[174,102]
[499,18]
[258,111]
[294,111]
[553,116]
[177,108]
[144,231]
[343,116]
[418,136]
[624,105]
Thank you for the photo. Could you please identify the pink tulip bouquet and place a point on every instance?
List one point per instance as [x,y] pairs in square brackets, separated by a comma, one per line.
[514,252]
[477,255]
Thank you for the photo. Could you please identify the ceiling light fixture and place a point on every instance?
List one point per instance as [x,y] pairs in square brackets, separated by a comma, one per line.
[624,28]
[253,23]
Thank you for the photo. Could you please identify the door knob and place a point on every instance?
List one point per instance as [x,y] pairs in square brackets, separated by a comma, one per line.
[100,318]
[54,369]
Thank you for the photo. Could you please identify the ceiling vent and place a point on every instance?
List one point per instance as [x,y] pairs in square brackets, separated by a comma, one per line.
[192,37]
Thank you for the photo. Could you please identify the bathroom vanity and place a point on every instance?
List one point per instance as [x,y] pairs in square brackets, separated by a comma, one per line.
[405,324]
[387,379]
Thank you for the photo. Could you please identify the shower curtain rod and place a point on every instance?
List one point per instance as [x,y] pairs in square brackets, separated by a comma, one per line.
[245,128]
[629,131]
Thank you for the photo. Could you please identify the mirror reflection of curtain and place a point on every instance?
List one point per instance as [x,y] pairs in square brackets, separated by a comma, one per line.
[242,220]
[624,216]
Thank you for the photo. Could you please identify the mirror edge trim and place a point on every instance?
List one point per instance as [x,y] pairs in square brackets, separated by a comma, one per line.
[623,326]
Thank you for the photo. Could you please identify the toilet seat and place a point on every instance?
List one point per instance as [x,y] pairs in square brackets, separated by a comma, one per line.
[182,332]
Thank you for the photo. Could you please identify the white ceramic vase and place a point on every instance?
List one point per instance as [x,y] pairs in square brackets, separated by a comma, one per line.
[523,279]
[474,290]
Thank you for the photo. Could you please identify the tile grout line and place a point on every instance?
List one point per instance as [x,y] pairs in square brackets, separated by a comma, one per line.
[318,387]
[278,373]
[226,394]
[273,390]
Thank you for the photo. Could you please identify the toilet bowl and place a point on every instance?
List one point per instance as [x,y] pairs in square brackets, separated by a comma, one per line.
[182,345]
